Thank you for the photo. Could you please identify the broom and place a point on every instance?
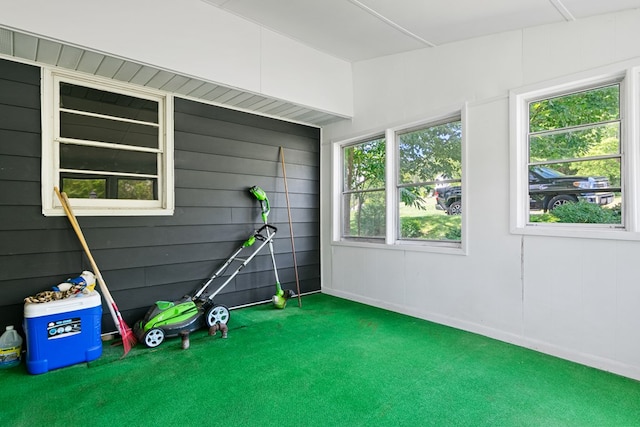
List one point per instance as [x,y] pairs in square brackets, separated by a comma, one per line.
[128,338]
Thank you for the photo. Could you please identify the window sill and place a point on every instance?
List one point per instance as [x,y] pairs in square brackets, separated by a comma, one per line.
[109,212]
[575,232]
[451,249]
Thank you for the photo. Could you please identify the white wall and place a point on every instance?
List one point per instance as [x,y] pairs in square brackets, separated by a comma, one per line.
[575,298]
[193,38]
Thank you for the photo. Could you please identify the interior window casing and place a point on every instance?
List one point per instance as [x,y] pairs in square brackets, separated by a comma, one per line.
[392,238]
[99,140]
[627,76]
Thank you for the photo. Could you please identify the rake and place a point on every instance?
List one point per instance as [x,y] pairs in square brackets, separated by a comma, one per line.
[128,338]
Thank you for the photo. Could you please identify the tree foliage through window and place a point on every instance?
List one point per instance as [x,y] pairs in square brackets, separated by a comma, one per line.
[579,134]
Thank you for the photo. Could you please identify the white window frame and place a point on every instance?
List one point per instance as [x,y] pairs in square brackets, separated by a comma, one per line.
[340,200]
[392,163]
[51,145]
[628,75]
[394,235]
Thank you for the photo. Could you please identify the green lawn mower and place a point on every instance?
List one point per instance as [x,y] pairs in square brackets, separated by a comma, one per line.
[171,318]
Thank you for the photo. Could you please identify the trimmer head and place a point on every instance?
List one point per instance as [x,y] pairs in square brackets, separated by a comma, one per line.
[279,300]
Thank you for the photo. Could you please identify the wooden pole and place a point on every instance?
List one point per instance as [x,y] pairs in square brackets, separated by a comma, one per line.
[293,245]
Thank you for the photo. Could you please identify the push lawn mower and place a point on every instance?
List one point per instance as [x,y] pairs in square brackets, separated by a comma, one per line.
[170,318]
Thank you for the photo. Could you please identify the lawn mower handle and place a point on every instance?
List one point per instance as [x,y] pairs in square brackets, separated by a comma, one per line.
[270,229]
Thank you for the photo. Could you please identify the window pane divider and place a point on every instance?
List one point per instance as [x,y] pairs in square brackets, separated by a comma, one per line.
[109,173]
[577,159]
[368,190]
[417,184]
[114,118]
[575,128]
[111,145]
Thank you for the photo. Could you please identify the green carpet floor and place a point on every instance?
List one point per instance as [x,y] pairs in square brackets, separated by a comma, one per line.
[330,363]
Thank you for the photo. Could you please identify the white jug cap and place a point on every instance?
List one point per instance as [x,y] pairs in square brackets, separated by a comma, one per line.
[9,328]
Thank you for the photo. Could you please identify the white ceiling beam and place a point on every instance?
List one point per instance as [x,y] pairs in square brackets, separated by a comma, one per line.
[391,23]
[568,16]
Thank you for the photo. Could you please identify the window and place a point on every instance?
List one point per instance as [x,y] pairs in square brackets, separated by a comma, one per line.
[363,192]
[429,182]
[108,146]
[575,155]
[403,187]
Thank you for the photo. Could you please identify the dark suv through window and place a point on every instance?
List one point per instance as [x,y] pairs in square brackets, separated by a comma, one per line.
[548,189]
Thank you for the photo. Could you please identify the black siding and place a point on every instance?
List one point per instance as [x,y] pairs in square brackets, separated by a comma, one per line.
[219,154]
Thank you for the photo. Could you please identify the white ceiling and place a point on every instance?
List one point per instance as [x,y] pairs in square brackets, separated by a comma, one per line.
[356,30]
[353,30]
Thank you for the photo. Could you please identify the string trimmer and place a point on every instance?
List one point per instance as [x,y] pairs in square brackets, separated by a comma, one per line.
[281,296]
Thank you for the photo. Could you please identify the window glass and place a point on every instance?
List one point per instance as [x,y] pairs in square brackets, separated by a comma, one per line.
[137,189]
[429,184]
[85,188]
[578,143]
[81,158]
[109,144]
[363,195]
[93,187]
[90,100]
[575,109]
[574,157]
[81,127]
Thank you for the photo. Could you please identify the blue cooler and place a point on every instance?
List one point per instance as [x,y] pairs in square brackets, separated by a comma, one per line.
[62,333]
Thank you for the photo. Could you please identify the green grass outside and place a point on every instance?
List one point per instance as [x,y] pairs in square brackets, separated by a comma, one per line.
[429,223]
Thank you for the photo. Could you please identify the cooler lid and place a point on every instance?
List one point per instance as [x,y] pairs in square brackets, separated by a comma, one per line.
[79,302]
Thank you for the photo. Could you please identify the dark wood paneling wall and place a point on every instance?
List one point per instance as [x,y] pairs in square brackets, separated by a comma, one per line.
[219,154]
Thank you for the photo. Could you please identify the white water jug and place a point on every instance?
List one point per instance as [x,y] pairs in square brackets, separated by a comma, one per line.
[10,348]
